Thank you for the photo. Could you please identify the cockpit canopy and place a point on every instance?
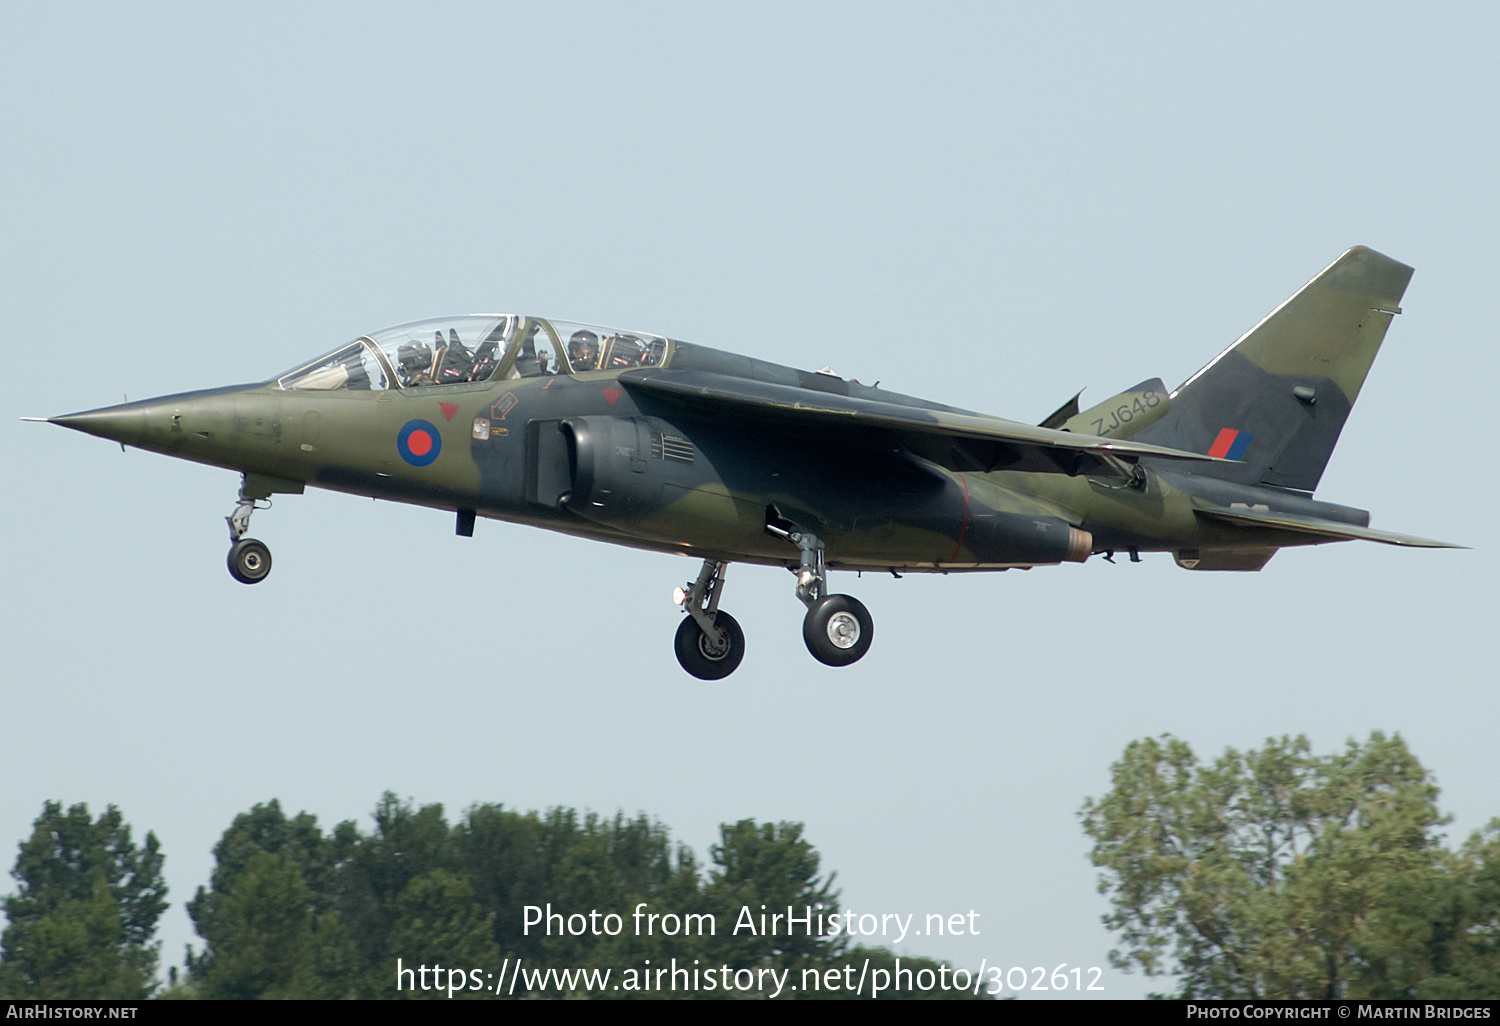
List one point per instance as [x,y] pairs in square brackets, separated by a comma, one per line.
[474,349]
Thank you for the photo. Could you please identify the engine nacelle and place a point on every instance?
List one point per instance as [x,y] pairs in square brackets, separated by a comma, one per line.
[623,471]
[612,477]
[998,538]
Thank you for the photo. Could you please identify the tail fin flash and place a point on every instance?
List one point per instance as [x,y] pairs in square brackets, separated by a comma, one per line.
[1277,399]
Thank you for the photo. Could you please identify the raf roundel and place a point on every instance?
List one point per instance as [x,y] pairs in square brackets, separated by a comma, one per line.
[419,443]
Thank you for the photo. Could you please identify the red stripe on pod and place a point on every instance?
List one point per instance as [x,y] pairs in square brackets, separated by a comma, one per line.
[964,528]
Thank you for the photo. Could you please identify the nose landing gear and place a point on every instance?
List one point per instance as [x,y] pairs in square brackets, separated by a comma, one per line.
[249,559]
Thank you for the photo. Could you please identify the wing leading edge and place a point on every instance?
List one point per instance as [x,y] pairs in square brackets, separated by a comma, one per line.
[979,443]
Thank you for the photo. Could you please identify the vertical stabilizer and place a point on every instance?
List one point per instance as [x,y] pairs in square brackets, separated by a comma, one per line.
[1277,399]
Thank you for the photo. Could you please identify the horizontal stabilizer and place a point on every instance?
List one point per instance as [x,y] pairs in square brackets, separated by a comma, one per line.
[1017,446]
[1319,526]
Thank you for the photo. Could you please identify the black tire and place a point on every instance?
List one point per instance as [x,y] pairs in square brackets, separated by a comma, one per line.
[838,630]
[249,561]
[697,659]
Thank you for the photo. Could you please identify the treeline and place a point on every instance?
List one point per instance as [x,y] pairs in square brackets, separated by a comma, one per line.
[1278,873]
[293,911]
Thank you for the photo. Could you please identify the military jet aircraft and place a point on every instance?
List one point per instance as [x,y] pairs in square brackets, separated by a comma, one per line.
[642,440]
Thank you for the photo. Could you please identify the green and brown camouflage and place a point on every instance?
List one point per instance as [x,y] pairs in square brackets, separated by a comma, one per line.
[658,444]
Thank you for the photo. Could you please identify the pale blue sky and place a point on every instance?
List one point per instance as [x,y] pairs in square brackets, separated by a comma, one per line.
[986,205]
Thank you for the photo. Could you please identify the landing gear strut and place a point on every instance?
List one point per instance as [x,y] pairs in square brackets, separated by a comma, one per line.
[249,559]
[837,629]
[709,642]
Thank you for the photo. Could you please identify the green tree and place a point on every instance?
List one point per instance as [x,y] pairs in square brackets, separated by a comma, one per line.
[502,854]
[1471,966]
[265,828]
[291,912]
[769,867]
[268,917]
[267,941]
[375,869]
[1272,873]
[1438,935]
[439,924]
[82,920]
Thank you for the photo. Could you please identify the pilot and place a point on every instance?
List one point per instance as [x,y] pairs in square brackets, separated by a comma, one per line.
[583,350]
[413,363]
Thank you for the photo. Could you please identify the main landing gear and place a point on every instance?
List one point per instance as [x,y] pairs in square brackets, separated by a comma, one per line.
[249,559]
[709,642]
[837,628]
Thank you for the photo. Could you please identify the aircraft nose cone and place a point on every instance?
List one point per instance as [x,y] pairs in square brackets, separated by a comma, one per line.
[197,421]
[125,424]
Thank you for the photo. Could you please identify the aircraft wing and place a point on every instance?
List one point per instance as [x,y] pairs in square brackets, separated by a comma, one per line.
[975,442]
[1317,525]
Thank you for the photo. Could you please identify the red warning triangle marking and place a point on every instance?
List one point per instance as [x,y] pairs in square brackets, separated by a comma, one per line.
[449,409]
[611,394]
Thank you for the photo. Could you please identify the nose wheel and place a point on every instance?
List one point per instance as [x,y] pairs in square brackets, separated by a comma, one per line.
[249,559]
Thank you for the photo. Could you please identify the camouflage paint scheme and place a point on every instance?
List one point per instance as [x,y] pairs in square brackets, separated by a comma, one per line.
[700,452]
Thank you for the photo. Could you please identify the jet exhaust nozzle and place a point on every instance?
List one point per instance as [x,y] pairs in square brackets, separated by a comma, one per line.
[1080,544]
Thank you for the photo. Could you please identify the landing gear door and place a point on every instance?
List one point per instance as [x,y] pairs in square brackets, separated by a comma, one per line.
[549,471]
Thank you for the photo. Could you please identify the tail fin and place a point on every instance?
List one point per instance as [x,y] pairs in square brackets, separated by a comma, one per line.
[1277,399]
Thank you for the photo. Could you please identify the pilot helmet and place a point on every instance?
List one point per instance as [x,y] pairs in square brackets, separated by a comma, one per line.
[583,348]
[413,356]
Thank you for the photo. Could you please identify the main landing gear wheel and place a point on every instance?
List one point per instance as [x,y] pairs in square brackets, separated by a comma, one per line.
[710,658]
[838,630]
[249,561]
[709,642]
